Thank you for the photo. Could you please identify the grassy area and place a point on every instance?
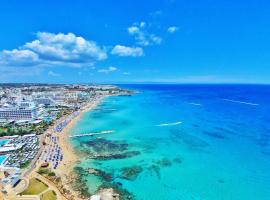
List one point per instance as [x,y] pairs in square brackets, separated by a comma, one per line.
[3,129]
[25,165]
[36,186]
[49,195]
[45,171]
[16,130]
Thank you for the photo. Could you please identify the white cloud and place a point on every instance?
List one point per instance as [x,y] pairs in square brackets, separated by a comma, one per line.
[155,39]
[54,49]
[18,57]
[127,51]
[173,29]
[65,48]
[142,24]
[108,70]
[142,37]
[51,73]
[126,73]
[133,30]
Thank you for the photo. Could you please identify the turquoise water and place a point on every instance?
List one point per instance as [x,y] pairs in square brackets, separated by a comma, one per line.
[220,150]
[2,158]
[2,142]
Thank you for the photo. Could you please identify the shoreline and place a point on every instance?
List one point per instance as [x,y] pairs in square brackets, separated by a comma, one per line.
[70,158]
[64,188]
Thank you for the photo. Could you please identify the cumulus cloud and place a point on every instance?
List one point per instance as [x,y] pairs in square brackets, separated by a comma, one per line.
[66,48]
[108,70]
[18,58]
[121,50]
[53,49]
[51,73]
[141,35]
[173,29]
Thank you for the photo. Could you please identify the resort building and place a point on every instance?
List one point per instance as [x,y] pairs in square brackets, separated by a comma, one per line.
[24,112]
[45,101]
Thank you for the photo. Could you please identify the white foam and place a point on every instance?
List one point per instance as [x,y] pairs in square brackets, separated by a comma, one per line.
[242,102]
[170,124]
[195,104]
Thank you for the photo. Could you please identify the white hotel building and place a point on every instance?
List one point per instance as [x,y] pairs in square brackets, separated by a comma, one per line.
[18,113]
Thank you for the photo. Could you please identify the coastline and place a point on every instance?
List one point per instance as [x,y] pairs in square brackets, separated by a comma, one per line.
[65,169]
[65,175]
[63,189]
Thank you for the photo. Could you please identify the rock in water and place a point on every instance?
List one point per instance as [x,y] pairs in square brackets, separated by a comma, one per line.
[131,173]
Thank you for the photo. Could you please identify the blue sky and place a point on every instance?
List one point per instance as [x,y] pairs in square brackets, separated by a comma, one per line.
[200,41]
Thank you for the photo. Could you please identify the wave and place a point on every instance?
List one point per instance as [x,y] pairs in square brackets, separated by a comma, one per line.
[170,124]
[242,102]
[195,104]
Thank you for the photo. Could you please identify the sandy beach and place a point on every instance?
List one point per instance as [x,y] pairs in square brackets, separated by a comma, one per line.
[65,169]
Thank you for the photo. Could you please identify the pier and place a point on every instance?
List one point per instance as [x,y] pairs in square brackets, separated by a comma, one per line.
[92,134]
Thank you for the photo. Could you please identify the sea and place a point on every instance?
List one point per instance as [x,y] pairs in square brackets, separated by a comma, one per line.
[179,142]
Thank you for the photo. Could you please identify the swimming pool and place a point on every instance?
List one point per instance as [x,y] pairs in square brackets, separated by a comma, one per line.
[4,141]
[2,159]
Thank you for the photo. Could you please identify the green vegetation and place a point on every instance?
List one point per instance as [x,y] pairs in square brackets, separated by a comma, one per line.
[43,171]
[25,165]
[7,131]
[42,127]
[58,116]
[35,187]
[51,174]
[13,129]
[49,195]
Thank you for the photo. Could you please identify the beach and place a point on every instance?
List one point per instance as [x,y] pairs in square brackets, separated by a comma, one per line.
[65,169]
[63,189]
[65,177]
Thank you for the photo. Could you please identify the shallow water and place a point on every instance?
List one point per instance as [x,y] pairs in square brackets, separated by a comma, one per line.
[181,142]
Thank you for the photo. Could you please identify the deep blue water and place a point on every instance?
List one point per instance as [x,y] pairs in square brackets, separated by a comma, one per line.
[205,142]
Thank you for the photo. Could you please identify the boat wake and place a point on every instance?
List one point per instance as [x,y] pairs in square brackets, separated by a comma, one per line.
[241,102]
[170,124]
[195,104]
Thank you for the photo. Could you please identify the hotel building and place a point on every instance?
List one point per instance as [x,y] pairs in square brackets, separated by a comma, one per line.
[18,113]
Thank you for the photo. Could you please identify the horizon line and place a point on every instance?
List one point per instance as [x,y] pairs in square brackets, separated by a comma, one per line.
[137,83]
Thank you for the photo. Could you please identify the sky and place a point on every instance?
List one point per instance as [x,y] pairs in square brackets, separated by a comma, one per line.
[128,41]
